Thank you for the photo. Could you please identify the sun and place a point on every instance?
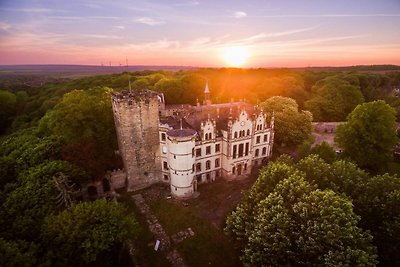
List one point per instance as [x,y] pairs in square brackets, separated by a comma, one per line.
[235,56]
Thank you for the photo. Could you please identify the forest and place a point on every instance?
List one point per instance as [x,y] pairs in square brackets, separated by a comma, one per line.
[316,208]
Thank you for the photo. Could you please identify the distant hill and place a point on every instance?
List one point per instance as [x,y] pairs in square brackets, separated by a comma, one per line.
[79,70]
[76,71]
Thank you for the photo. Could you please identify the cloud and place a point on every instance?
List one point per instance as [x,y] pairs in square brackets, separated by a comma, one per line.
[239,14]
[29,10]
[188,3]
[326,15]
[4,26]
[149,21]
[120,27]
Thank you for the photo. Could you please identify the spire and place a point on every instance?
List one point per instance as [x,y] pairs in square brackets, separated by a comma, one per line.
[207,99]
[206,90]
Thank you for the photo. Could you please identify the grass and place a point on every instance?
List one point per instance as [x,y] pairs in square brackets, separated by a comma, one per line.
[208,247]
[144,253]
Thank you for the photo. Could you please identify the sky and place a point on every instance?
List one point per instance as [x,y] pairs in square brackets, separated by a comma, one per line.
[280,33]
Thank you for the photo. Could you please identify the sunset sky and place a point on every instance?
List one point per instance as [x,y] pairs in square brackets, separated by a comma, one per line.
[200,33]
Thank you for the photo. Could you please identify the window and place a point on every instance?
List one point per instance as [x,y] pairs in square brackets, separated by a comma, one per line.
[248,132]
[257,152]
[258,140]
[208,150]
[198,152]
[192,168]
[163,137]
[241,148]
[234,151]
[265,137]
[217,148]
[210,135]
[198,177]
[240,134]
[208,165]
[245,166]
[165,165]
[233,169]
[235,135]
[264,150]
[247,149]
[165,177]
[216,163]
[198,167]
[193,152]
[208,177]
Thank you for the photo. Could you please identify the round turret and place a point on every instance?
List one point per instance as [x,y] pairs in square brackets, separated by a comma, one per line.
[181,143]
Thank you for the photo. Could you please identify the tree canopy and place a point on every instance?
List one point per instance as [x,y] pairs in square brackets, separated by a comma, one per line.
[85,231]
[291,126]
[285,220]
[332,99]
[369,134]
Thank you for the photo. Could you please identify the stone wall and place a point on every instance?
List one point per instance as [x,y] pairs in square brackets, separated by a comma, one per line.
[136,117]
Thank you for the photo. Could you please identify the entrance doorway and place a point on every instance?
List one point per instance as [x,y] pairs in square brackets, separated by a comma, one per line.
[239,169]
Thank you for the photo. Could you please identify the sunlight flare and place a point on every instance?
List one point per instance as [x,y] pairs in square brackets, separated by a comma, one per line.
[235,56]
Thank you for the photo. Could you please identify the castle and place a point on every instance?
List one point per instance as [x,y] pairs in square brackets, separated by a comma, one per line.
[184,145]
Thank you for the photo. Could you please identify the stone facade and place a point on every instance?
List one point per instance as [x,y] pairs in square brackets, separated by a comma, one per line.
[136,117]
[184,145]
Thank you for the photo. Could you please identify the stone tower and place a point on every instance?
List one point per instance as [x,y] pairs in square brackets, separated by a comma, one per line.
[136,117]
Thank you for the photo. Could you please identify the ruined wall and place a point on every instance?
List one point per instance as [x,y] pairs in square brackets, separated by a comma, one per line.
[136,117]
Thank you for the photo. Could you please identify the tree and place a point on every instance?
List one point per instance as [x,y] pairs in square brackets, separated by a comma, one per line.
[34,197]
[332,99]
[291,126]
[297,224]
[84,119]
[17,253]
[7,109]
[85,231]
[325,151]
[369,135]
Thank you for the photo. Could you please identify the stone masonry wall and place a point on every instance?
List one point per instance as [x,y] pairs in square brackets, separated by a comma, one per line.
[137,121]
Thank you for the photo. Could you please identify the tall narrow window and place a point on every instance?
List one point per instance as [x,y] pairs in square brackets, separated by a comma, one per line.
[241,146]
[248,132]
[163,137]
[216,163]
[198,152]
[165,165]
[217,147]
[265,137]
[208,150]
[257,152]
[208,165]
[198,167]
[247,149]
[258,140]
[235,135]
[264,151]
[234,151]
[233,169]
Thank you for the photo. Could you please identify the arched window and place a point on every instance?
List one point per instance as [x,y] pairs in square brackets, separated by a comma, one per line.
[208,165]
[248,132]
[257,152]
[198,167]
[210,135]
[264,150]
[235,135]
[216,163]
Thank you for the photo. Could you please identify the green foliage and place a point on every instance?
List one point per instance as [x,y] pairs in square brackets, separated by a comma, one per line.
[35,197]
[8,102]
[17,253]
[82,233]
[332,99]
[286,221]
[291,126]
[84,121]
[325,151]
[369,135]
